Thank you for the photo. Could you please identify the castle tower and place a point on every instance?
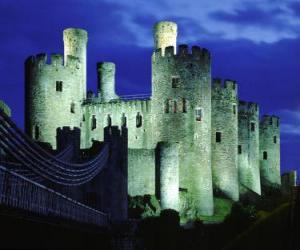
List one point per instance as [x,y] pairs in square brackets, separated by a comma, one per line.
[106,81]
[270,151]
[75,44]
[224,130]
[181,113]
[165,35]
[55,88]
[248,146]
[169,175]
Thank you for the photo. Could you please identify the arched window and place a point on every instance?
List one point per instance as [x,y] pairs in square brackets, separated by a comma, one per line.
[275,139]
[108,120]
[167,106]
[265,155]
[184,105]
[94,122]
[72,109]
[139,121]
[123,120]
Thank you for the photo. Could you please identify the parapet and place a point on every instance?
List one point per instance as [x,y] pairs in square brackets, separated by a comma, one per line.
[270,121]
[56,60]
[248,107]
[196,52]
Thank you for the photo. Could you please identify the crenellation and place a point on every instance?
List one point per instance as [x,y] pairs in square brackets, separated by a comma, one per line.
[207,138]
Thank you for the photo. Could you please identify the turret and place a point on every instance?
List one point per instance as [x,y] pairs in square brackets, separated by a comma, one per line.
[270,151]
[75,43]
[248,146]
[224,127]
[165,35]
[106,81]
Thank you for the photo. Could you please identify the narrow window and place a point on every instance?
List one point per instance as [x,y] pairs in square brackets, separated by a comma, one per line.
[239,149]
[234,109]
[167,106]
[218,136]
[175,107]
[94,122]
[277,123]
[252,125]
[270,121]
[265,155]
[175,82]
[275,139]
[198,113]
[36,132]
[139,120]
[83,118]
[72,108]
[108,120]
[124,120]
[59,86]
[183,105]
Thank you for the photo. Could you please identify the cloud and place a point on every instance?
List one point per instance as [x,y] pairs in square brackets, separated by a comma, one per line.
[290,121]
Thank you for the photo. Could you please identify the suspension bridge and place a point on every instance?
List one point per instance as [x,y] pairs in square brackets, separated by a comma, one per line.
[59,184]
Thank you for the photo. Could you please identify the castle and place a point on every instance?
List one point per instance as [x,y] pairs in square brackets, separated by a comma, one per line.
[192,137]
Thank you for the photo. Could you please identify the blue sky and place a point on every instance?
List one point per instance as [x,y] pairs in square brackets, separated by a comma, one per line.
[255,42]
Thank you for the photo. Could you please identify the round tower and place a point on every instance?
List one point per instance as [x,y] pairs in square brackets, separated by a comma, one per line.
[106,81]
[270,151]
[169,175]
[225,138]
[165,35]
[75,44]
[181,113]
[248,146]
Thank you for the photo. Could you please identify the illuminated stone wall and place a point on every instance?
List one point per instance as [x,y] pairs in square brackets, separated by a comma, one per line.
[181,84]
[55,88]
[224,149]
[248,140]
[270,151]
[169,175]
[184,110]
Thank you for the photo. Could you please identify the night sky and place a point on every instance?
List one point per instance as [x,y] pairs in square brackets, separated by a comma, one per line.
[256,43]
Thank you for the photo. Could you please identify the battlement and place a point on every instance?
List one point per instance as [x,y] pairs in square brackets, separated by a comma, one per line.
[55,60]
[248,107]
[195,52]
[224,89]
[270,121]
[97,104]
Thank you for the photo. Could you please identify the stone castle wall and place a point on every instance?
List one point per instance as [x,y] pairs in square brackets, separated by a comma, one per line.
[188,129]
